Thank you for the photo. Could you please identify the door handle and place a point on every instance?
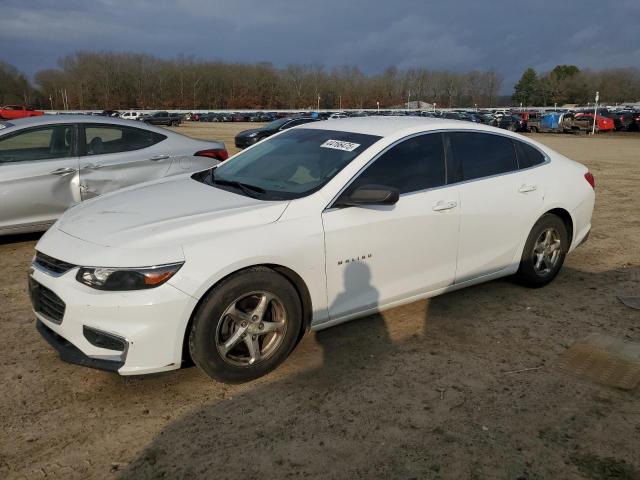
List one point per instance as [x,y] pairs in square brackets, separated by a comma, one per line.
[441,206]
[527,188]
[63,171]
[92,166]
[159,157]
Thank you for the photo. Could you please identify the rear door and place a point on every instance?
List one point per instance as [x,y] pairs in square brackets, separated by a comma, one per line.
[38,175]
[498,202]
[117,156]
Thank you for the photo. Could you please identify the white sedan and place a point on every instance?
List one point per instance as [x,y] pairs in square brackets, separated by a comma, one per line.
[312,227]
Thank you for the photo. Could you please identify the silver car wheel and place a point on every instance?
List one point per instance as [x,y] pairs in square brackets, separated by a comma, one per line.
[546,251]
[251,329]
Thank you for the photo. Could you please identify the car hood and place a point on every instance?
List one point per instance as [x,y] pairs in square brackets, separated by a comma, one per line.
[166,214]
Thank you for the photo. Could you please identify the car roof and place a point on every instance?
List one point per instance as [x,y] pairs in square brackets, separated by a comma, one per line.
[67,118]
[389,125]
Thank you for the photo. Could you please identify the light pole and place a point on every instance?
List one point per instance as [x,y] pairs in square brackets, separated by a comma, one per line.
[318,102]
[595,113]
[378,104]
[408,99]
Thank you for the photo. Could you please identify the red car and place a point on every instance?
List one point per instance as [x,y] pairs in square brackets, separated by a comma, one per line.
[603,124]
[11,112]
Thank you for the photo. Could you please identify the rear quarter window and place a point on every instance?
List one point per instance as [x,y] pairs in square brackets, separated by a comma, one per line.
[528,156]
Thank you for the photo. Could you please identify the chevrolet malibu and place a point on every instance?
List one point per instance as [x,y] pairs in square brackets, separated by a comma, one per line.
[312,227]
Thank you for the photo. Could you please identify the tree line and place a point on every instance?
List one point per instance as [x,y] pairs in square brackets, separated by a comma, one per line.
[109,80]
[567,84]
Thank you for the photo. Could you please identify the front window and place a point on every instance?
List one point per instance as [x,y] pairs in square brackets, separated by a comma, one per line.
[290,165]
[38,144]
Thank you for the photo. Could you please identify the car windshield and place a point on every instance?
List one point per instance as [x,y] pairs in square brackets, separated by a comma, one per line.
[291,165]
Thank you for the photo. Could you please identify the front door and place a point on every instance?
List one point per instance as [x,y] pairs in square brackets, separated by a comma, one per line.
[38,175]
[376,255]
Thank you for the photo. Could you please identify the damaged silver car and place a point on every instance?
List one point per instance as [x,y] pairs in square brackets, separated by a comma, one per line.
[50,163]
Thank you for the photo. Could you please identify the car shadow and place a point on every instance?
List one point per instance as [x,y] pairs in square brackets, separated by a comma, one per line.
[410,392]
[20,237]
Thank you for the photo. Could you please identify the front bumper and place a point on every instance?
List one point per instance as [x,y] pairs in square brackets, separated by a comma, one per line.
[72,354]
[150,324]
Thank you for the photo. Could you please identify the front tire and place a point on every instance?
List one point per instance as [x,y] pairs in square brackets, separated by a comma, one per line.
[544,252]
[246,326]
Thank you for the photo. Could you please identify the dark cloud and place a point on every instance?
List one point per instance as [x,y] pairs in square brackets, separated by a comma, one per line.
[458,35]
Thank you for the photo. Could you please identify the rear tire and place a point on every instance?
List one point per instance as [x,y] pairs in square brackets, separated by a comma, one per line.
[246,326]
[544,252]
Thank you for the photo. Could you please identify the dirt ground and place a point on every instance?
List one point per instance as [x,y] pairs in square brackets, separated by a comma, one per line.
[432,390]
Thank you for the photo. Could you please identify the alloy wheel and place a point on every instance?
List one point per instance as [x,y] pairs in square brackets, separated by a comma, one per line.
[251,329]
[546,252]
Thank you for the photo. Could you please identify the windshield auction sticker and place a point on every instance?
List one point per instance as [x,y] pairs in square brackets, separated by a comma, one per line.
[340,145]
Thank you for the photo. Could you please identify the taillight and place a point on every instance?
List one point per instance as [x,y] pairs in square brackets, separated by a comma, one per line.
[591,179]
[217,153]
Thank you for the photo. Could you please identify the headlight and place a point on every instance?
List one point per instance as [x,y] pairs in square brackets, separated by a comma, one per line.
[120,279]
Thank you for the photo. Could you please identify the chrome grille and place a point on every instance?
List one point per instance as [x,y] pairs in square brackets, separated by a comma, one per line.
[52,265]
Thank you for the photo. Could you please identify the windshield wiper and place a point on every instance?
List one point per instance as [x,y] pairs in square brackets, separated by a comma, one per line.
[249,190]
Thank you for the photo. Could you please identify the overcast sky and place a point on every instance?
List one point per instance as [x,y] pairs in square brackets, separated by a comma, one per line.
[447,34]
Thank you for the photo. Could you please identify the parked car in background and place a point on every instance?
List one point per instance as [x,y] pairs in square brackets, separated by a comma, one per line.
[550,122]
[533,121]
[131,115]
[246,138]
[260,117]
[163,118]
[486,118]
[310,228]
[49,163]
[451,116]
[512,123]
[110,113]
[582,122]
[624,121]
[13,112]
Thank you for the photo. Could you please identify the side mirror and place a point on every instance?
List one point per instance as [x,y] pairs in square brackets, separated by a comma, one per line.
[369,195]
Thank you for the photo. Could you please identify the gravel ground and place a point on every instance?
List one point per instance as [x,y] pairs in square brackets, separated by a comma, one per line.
[466,385]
